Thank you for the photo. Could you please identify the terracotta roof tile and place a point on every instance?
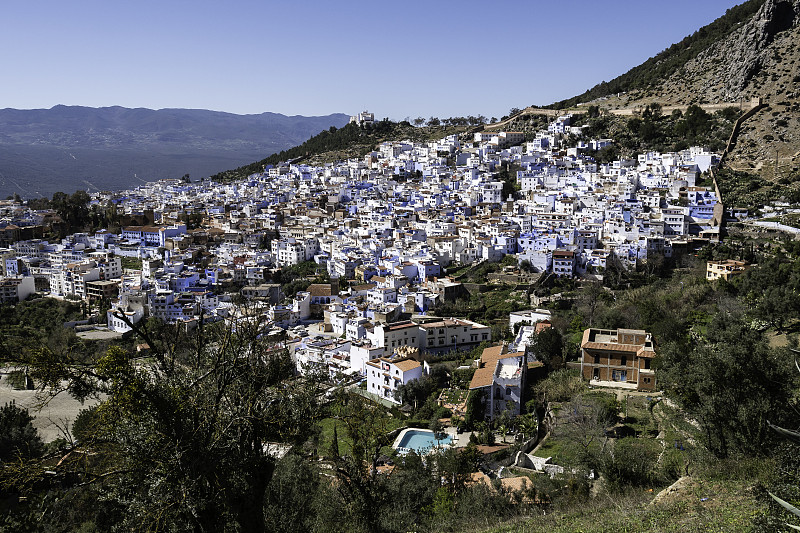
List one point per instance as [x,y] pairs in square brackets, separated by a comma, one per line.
[320,289]
[484,375]
[612,346]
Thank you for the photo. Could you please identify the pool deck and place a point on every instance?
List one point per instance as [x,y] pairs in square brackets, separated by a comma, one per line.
[459,440]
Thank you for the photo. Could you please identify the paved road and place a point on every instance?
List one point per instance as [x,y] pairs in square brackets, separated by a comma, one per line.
[51,417]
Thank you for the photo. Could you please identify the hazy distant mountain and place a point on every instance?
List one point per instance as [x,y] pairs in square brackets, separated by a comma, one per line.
[69,147]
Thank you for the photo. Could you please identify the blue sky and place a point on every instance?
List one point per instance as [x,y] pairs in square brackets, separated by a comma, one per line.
[398,59]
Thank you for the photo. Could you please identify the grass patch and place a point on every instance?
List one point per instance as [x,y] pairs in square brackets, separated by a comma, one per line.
[326,436]
[706,505]
[639,418]
[675,423]
[131,263]
[345,442]
[565,452]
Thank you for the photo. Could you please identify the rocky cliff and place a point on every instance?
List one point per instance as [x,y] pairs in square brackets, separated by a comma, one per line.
[758,59]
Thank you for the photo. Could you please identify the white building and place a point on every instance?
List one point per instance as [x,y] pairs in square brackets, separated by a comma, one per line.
[452,334]
[501,377]
[16,289]
[386,374]
[291,251]
[365,117]
[531,316]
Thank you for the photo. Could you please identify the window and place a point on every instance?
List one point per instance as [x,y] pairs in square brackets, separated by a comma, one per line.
[624,360]
[485,336]
[597,359]
[508,391]
[647,365]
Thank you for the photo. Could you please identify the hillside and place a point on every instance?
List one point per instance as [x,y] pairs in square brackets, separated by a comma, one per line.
[752,52]
[338,144]
[651,74]
[67,147]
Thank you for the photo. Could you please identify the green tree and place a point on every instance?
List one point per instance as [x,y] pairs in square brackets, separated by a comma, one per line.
[74,209]
[18,437]
[592,296]
[183,440]
[548,347]
[86,424]
[559,386]
[630,461]
[289,494]
[475,409]
[437,427]
[731,382]
[361,487]
[786,481]
[584,420]
[456,465]
[410,489]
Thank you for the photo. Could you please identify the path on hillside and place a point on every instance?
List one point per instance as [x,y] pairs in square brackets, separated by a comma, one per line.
[667,109]
[627,111]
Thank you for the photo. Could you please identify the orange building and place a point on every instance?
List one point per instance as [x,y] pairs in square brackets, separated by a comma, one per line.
[621,356]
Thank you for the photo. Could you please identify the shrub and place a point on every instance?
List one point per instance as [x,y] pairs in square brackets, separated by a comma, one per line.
[630,461]
[85,426]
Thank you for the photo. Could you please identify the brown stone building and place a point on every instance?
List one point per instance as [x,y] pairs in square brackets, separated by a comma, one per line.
[725,269]
[621,356]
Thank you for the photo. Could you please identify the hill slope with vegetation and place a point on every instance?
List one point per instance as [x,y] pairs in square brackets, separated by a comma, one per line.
[655,71]
[349,141]
[752,52]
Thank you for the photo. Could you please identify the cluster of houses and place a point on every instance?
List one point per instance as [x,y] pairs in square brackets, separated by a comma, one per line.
[383,228]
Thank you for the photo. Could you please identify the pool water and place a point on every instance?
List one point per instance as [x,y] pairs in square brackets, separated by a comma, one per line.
[421,441]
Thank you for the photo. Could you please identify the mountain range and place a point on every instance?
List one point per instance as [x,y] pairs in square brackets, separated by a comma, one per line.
[71,147]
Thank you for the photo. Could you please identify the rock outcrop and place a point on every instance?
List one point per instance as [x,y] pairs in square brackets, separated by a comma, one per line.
[756,59]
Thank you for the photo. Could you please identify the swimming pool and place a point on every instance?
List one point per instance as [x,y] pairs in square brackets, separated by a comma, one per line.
[421,441]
